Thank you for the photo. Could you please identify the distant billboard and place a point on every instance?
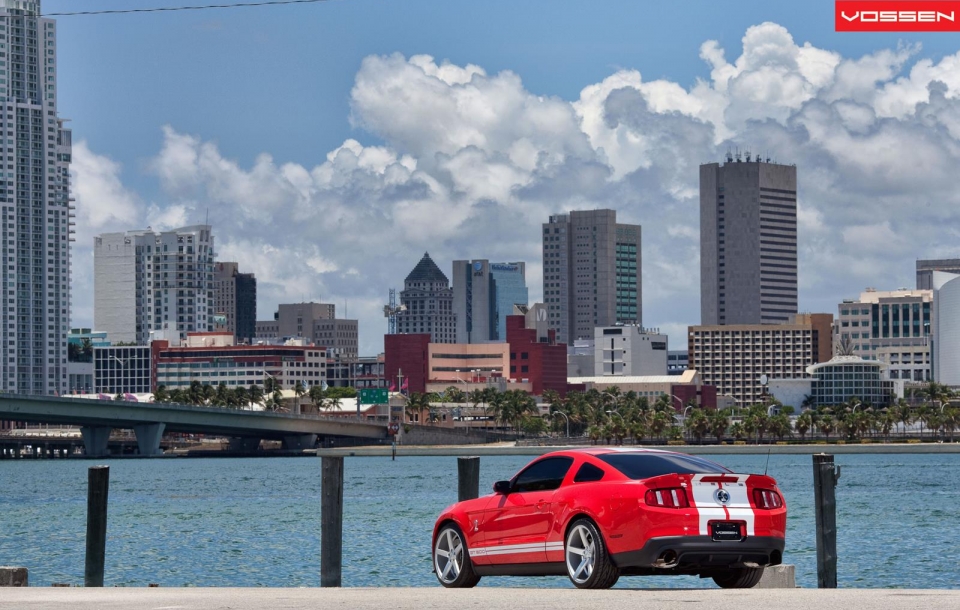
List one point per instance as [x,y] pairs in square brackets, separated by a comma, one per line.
[504,267]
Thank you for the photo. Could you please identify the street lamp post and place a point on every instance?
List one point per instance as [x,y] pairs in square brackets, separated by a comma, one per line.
[567,420]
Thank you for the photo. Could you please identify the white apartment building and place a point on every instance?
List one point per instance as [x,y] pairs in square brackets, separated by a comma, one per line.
[36,214]
[629,350]
[151,281]
[734,358]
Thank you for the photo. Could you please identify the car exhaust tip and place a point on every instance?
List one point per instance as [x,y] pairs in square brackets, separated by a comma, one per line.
[667,559]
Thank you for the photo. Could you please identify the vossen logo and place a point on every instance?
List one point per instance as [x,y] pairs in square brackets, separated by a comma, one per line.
[897,16]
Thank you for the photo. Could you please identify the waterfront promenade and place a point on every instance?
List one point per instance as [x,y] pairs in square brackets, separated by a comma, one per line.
[479,598]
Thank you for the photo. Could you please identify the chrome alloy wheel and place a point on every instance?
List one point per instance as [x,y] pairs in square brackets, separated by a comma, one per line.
[448,555]
[580,553]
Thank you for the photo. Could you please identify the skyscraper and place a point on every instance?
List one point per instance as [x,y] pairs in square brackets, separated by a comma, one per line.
[429,303]
[35,205]
[148,281]
[235,299]
[591,273]
[748,242]
[484,294]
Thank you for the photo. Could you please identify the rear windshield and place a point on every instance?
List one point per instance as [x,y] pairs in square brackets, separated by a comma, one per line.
[646,465]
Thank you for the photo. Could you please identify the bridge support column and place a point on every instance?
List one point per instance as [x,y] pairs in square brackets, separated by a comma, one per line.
[95,440]
[148,438]
[299,442]
[243,444]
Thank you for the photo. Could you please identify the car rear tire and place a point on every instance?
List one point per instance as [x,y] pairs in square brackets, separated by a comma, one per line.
[451,559]
[738,578]
[588,564]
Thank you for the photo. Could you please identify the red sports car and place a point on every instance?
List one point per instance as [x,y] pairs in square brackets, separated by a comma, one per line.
[596,514]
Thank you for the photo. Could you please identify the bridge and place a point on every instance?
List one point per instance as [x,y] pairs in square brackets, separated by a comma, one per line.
[150,420]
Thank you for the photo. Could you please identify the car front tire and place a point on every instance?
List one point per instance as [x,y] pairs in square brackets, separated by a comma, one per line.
[451,559]
[588,564]
[739,578]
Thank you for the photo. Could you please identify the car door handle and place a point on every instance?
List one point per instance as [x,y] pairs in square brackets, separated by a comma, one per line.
[540,504]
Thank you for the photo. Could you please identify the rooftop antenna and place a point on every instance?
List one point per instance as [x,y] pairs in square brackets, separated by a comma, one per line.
[738,155]
[747,153]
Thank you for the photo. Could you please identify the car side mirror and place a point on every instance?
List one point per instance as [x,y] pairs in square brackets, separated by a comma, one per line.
[501,487]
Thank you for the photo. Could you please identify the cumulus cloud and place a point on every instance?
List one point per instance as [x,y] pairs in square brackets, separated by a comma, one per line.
[471,163]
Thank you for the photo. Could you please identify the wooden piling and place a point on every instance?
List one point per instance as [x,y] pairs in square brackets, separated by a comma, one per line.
[331,521]
[468,478]
[98,483]
[825,500]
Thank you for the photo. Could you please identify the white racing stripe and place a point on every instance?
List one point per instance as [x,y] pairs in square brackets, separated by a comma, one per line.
[737,509]
[509,549]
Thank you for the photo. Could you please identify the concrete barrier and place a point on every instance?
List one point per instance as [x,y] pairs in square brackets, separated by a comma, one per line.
[778,577]
[13,577]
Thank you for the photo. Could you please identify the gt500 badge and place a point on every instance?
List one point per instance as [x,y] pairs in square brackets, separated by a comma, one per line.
[722,496]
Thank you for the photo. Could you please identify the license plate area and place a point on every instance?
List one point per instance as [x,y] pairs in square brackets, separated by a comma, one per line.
[727,531]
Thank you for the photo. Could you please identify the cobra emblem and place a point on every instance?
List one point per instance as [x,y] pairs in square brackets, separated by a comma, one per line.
[722,496]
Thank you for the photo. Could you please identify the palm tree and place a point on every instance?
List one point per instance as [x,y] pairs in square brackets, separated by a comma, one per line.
[161,394]
[698,424]
[208,393]
[256,394]
[719,422]
[803,424]
[454,394]
[417,403]
[316,395]
[826,425]
[241,397]
[738,431]
[221,396]
[904,413]
[299,390]
[659,423]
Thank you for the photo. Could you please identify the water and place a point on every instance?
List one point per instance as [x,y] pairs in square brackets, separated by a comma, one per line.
[256,522]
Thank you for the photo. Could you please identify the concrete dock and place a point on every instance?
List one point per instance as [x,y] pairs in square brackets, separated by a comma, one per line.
[481,597]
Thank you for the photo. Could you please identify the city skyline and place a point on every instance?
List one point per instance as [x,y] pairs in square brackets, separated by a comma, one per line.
[478,185]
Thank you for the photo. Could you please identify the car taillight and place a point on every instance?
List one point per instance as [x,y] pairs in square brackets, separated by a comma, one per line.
[672,497]
[767,498]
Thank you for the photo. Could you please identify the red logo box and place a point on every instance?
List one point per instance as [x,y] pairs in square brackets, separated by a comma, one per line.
[897,16]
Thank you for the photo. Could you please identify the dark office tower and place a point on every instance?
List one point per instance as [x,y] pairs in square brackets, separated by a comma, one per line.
[35,206]
[235,301]
[591,273]
[748,242]
[428,300]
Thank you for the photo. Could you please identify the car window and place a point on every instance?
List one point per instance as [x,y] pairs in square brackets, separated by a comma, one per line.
[588,472]
[542,475]
[646,465]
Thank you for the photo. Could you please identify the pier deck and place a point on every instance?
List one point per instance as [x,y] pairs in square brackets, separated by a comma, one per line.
[481,597]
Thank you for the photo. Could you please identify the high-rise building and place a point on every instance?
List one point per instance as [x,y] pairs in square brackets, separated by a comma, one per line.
[748,242]
[925,269]
[739,359]
[629,350]
[153,281]
[428,299]
[893,327]
[235,300]
[316,322]
[591,273]
[35,206]
[484,294]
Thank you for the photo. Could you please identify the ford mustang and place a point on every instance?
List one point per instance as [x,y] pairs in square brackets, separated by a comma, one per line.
[596,514]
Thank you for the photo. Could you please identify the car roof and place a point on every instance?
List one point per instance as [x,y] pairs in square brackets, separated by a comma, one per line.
[607,450]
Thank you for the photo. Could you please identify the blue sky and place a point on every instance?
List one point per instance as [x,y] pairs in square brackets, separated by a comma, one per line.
[278,78]
[176,110]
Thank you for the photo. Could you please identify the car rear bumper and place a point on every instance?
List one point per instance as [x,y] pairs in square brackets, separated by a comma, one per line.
[703,552]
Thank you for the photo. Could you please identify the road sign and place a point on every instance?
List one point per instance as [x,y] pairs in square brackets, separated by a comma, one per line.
[393,428]
[373,396]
